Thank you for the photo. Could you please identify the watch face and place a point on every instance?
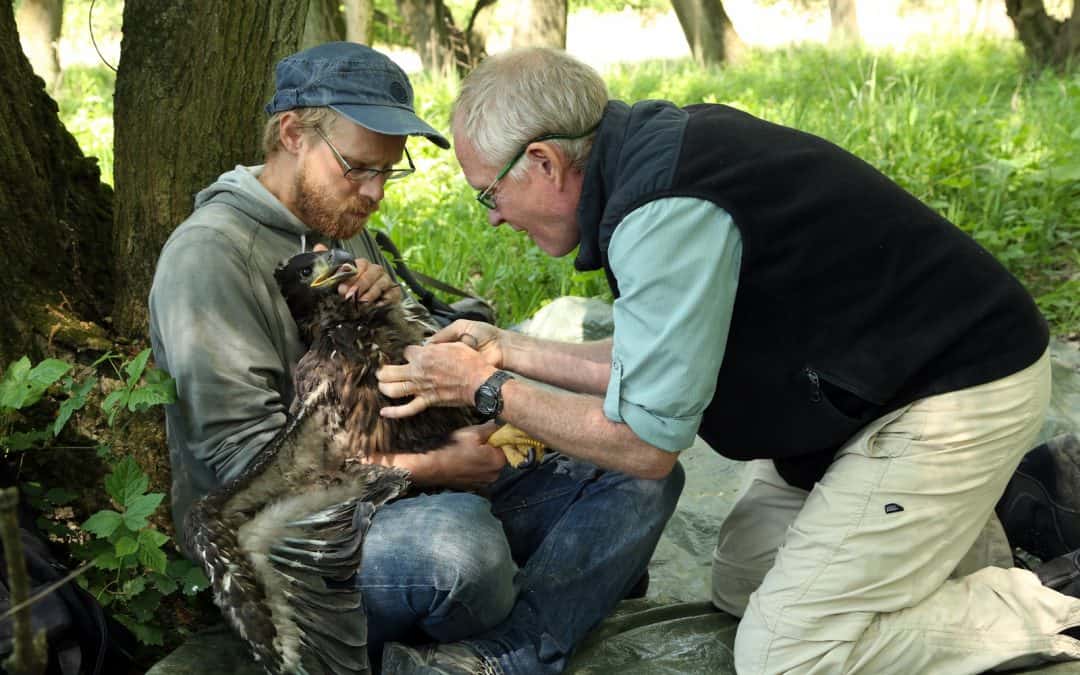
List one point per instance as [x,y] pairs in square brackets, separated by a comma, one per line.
[486,400]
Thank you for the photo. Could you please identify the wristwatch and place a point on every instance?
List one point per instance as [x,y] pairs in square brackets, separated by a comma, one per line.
[488,398]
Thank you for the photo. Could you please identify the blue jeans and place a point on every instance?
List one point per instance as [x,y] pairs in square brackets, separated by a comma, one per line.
[524,573]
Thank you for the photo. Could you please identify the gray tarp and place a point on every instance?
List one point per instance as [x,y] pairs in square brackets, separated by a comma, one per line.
[674,629]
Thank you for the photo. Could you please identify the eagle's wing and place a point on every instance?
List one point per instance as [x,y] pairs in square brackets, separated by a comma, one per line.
[282,545]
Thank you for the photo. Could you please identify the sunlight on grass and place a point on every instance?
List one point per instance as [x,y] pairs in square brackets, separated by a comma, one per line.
[963,125]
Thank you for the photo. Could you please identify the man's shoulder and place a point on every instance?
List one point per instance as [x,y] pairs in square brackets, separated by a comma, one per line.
[214,223]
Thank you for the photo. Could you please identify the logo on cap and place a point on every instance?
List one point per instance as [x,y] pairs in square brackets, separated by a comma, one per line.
[397,91]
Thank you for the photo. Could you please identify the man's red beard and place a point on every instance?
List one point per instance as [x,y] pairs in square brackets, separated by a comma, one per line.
[330,216]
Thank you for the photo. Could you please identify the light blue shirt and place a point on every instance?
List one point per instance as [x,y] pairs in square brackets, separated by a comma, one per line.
[677,263]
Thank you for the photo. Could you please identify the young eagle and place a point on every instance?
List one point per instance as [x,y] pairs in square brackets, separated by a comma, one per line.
[281,544]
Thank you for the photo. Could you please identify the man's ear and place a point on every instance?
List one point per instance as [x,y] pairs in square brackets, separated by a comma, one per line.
[291,132]
[551,159]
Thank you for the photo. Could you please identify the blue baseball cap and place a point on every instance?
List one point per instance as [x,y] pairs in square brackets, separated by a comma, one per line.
[356,81]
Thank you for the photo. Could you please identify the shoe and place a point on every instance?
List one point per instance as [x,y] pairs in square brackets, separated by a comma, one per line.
[1040,509]
[434,659]
[1061,573]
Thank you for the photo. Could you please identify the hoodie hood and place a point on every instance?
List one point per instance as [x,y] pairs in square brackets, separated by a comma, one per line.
[241,189]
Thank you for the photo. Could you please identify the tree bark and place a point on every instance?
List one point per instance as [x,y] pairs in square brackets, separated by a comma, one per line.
[541,23]
[192,82]
[845,22]
[1047,41]
[39,24]
[55,214]
[359,21]
[325,23]
[709,31]
[441,45]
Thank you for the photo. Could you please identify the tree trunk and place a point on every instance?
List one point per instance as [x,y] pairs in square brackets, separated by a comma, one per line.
[845,22]
[39,28]
[476,31]
[325,23]
[441,46]
[1046,40]
[359,21]
[541,23]
[192,82]
[709,32]
[55,214]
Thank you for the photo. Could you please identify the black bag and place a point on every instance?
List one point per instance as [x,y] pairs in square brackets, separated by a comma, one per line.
[469,307]
[81,638]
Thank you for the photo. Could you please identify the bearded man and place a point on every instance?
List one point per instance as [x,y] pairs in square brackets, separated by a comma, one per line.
[542,556]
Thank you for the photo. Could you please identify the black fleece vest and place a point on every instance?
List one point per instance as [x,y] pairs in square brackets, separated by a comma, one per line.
[854,298]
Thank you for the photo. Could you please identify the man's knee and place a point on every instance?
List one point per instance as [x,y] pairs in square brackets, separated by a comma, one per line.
[661,494]
[448,542]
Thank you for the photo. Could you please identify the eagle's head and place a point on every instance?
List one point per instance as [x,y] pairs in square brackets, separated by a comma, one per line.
[307,277]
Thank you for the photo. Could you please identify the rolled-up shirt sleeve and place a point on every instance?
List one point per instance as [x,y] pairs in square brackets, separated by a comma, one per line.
[677,264]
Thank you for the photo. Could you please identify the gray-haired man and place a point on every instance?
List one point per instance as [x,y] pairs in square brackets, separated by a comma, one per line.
[793,306]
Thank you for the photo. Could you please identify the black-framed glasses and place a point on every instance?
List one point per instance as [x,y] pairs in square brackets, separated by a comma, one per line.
[487,196]
[360,174]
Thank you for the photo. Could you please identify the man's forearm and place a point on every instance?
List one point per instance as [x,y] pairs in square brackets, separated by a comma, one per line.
[576,425]
[584,367]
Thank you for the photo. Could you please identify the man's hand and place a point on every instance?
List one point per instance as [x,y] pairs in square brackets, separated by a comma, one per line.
[372,283]
[483,337]
[445,374]
[466,462]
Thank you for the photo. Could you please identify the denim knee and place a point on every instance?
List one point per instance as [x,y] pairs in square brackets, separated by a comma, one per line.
[473,572]
[439,562]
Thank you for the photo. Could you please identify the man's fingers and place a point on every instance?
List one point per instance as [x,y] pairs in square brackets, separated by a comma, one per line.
[397,389]
[417,405]
[390,374]
[451,333]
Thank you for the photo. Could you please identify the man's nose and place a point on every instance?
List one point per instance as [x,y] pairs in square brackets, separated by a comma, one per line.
[374,188]
[495,218]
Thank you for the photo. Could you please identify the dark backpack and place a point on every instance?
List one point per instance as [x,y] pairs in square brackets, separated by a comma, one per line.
[82,640]
[469,307]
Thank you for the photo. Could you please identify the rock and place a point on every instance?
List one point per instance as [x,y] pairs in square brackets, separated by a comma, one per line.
[571,319]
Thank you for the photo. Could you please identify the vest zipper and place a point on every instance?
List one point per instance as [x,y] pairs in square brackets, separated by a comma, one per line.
[815,383]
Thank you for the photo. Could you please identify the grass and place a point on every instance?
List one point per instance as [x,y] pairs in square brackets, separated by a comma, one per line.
[966,127]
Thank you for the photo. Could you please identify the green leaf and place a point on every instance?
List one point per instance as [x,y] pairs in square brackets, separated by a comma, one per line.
[59,496]
[178,568]
[12,384]
[102,451]
[194,581]
[24,440]
[103,523]
[153,559]
[126,482]
[139,508]
[22,386]
[113,402]
[107,561]
[152,394]
[133,586]
[126,546]
[76,401]
[152,539]
[165,584]
[135,367]
[148,635]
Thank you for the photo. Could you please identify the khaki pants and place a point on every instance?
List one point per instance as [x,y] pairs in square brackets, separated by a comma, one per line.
[854,576]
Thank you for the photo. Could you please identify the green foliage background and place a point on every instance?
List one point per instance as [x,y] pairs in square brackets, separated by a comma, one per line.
[964,126]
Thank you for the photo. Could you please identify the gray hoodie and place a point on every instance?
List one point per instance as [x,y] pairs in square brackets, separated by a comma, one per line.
[220,327]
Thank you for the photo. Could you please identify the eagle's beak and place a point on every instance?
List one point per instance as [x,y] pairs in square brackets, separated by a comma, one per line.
[332,269]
